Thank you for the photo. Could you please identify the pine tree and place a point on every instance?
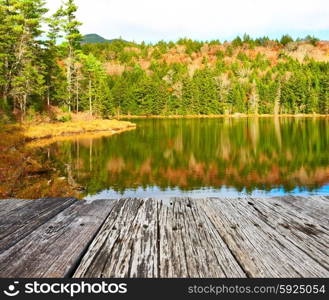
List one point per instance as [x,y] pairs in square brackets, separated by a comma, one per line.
[21,52]
[70,27]
[51,55]
[95,84]
[7,45]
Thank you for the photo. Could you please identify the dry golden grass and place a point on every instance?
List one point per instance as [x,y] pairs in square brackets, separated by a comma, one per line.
[39,143]
[24,174]
[47,130]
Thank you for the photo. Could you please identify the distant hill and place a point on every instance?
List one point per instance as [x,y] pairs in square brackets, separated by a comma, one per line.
[94,38]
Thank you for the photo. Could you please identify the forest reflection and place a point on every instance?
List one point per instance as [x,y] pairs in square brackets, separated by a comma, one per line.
[188,154]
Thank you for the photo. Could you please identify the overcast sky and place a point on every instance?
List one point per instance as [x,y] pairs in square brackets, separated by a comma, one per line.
[154,20]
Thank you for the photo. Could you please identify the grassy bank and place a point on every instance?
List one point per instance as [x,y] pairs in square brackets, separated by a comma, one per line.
[24,174]
[43,142]
[49,130]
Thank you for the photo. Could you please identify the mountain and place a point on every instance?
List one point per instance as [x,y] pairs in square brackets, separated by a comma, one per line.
[94,38]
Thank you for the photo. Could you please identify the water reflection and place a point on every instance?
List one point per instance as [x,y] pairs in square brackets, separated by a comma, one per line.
[202,157]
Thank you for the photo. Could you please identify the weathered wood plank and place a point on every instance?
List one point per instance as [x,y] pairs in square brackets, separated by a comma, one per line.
[316,207]
[146,238]
[216,237]
[53,249]
[126,244]
[190,246]
[7,205]
[21,221]
[261,249]
[304,231]
[173,260]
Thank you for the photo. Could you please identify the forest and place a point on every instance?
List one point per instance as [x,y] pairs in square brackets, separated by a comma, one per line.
[45,65]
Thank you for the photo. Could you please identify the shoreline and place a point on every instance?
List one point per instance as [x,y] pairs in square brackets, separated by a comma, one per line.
[42,142]
[128,117]
[23,173]
[75,128]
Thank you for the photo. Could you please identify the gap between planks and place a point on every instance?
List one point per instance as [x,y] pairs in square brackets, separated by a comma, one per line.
[215,237]
[55,246]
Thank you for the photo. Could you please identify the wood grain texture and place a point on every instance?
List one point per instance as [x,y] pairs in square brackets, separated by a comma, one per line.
[211,238]
[7,205]
[257,240]
[304,228]
[54,248]
[181,237]
[19,222]
[190,246]
[126,245]
[316,207]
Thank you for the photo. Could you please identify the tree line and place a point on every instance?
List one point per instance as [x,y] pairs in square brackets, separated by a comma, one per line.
[36,71]
[43,63]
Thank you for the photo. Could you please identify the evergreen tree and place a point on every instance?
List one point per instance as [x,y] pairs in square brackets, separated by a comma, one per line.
[95,83]
[70,27]
[50,57]
[20,53]
[186,77]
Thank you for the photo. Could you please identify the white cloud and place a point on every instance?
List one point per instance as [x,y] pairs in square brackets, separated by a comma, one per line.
[153,20]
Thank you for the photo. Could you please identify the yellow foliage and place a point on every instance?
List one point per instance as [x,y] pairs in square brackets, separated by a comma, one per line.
[47,130]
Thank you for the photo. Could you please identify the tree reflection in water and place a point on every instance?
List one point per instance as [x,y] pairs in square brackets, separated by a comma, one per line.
[244,154]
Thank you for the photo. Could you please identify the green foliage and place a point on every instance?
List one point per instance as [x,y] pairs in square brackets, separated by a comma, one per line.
[126,57]
[263,41]
[145,79]
[220,54]
[286,39]
[65,118]
[191,46]
[229,51]
[237,42]
[242,56]
[93,38]
[311,39]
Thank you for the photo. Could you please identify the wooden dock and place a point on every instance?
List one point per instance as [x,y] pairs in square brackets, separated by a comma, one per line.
[214,237]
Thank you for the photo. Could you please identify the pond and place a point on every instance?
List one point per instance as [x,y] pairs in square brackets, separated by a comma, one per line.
[201,157]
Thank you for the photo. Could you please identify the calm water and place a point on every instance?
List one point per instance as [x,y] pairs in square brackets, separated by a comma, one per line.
[202,157]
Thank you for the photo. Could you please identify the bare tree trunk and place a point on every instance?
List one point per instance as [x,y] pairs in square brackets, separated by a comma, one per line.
[5,99]
[14,104]
[90,106]
[69,77]
[24,104]
[21,105]
[69,84]
[6,85]
[48,97]
[77,93]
